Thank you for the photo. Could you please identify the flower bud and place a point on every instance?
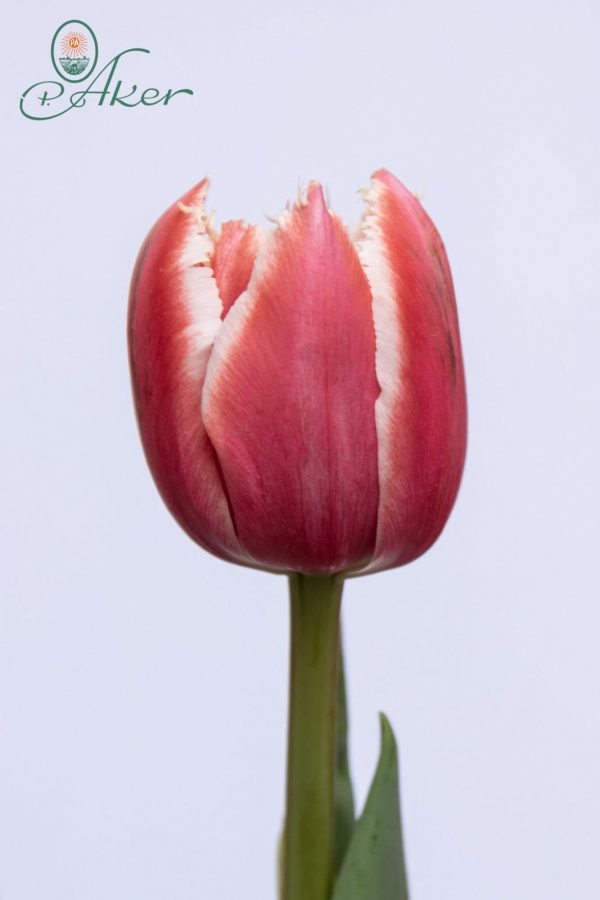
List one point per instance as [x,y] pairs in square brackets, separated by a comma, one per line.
[300,394]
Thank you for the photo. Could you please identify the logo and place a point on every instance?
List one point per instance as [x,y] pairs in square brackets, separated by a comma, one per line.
[74,55]
[74,50]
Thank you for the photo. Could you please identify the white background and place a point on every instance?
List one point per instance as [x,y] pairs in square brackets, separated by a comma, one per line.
[142,682]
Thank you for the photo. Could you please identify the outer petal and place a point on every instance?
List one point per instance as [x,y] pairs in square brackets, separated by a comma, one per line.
[421,411]
[174,315]
[289,399]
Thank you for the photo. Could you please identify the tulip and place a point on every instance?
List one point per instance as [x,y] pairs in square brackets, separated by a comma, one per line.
[301,401]
[300,393]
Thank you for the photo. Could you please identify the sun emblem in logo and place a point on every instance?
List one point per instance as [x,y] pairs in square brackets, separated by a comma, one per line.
[73,58]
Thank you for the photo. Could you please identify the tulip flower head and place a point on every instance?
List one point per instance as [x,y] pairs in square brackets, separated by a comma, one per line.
[300,394]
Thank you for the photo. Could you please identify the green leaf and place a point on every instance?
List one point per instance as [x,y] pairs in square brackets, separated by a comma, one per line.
[373,868]
[343,794]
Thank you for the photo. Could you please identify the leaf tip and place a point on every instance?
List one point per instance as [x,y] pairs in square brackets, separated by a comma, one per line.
[386,728]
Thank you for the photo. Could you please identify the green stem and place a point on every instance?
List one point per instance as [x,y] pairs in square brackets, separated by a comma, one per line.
[315,647]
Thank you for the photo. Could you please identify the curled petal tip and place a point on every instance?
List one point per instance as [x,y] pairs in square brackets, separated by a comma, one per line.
[193,204]
[315,198]
[314,190]
[383,174]
[195,197]
[385,178]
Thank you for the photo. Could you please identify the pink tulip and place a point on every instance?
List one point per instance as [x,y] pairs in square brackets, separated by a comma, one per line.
[300,393]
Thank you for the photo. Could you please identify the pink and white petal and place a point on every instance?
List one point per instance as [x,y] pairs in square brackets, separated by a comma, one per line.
[174,316]
[421,412]
[233,260]
[289,399]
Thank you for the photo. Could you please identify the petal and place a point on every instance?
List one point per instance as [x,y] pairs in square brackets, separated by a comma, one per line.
[421,411]
[289,399]
[174,315]
[233,260]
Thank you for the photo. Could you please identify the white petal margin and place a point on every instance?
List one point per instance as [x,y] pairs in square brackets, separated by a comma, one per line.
[202,299]
[232,328]
[388,360]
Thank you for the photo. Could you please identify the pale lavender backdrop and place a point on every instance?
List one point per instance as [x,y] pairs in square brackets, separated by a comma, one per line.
[142,682]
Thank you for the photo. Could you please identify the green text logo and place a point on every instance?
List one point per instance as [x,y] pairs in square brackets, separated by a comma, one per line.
[74,54]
